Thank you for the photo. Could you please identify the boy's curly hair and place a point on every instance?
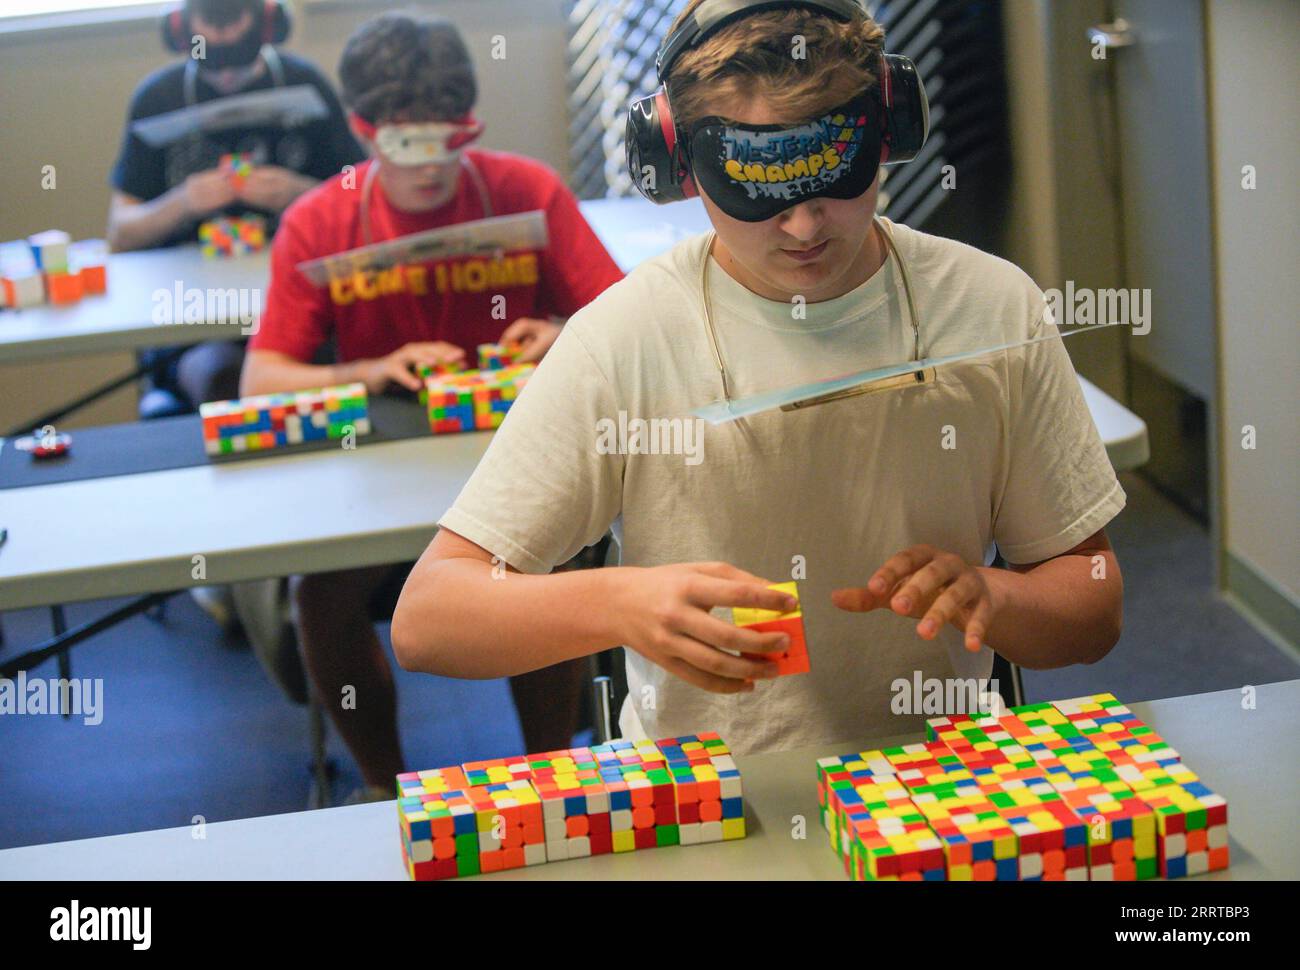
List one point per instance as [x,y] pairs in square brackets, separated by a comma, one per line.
[400,67]
[755,58]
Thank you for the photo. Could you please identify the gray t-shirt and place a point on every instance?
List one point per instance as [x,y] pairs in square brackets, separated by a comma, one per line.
[1001,449]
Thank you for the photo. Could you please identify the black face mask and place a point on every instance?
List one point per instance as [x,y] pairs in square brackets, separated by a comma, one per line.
[754,172]
[239,54]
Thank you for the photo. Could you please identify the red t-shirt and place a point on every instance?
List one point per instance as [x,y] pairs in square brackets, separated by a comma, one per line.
[450,300]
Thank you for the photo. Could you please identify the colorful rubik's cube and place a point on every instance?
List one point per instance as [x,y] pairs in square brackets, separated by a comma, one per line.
[706,788]
[425,371]
[276,420]
[232,236]
[473,400]
[580,809]
[21,284]
[509,819]
[794,659]
[836,772]
[50,250]
[1121,827]
[851,788]
[498,356]
[888,838]
[651,795]
[440,836]
[237,166]
[1051,838]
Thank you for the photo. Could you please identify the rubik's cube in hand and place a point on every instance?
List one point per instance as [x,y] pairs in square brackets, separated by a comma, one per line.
[792,660]
[237,166]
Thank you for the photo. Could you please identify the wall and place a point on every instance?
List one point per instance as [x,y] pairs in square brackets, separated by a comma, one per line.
[1063,215]
[1253,79]
[64,101]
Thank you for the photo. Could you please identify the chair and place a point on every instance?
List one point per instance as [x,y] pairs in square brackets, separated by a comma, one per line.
[161,397]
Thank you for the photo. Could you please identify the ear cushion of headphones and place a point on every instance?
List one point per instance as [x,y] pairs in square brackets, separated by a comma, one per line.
[654,160]
[907,110]
[274,21]
[175,31]
[277,22]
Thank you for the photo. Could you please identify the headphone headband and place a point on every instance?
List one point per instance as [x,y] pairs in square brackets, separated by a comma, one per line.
[271,19]
[712,15]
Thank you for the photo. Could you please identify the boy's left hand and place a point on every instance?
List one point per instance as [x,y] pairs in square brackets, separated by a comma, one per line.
[535,335]
[935,586]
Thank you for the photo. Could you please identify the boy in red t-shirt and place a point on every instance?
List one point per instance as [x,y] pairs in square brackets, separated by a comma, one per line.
[409,85]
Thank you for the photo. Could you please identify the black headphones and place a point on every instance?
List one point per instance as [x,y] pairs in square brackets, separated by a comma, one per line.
[272,21]
[655,142]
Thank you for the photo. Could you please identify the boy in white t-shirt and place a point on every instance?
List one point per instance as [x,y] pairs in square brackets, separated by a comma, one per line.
[886,505]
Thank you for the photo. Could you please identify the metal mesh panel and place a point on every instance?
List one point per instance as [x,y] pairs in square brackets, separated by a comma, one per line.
[612,47]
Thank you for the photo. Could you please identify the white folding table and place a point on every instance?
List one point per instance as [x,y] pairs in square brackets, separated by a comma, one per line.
[361,842]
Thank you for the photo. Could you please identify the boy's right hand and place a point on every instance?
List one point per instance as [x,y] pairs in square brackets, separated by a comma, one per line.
[207,192]
[399,366]
[663,614]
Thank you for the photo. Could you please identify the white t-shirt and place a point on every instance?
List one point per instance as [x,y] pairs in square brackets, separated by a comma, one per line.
[1001,449]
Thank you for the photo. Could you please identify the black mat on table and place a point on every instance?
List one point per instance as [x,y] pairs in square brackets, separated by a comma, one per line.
[151,446]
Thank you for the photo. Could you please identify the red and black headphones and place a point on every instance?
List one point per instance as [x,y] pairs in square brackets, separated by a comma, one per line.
[657,146]
[273,24]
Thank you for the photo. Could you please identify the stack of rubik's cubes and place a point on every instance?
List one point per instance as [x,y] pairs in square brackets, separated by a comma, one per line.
[275,420]
[473,400]
[1074,789]
[50,268]
[232,236]
[487,816]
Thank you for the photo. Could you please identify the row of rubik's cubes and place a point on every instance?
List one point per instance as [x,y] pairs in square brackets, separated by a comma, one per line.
[455,400]
[488,816]
[232,235]
[1074,789]
[474,400]
[274,420]
[49,268]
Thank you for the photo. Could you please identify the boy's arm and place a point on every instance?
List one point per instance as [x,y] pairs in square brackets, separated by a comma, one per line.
[1057,607]
[1061,611]
[267,371]
[136,224]
[465,613]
